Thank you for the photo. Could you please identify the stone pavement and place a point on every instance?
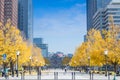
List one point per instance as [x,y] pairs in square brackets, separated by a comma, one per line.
[62,75]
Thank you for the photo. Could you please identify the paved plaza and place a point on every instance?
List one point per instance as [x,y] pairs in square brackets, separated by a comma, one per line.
[62,75]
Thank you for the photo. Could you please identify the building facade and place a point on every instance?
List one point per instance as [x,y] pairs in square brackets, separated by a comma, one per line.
[25,21]
[91,9]
[44,47]
[2,11]
[38,41]
[101,17]
[9,10]
[95,13]
[70,55]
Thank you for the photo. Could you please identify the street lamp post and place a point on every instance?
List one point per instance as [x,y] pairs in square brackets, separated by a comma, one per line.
[106,53]
[89,67]
[18,53]
[30,65]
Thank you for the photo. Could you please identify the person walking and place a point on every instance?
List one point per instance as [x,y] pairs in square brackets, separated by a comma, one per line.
[2,72]
[65,70]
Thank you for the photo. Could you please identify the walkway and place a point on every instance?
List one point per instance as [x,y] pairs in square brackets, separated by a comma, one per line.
[61,75]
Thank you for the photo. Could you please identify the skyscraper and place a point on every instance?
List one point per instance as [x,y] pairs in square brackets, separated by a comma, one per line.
[94,13]
[91,9]
[25,19]
[9,10]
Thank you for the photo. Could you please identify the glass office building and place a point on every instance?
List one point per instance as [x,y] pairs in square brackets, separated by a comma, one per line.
[91,9]
[25,19]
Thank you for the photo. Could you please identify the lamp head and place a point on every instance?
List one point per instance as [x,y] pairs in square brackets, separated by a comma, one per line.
[106,52]
[30,57]
[74,61]
[89,57]
[18,53]
[36,60]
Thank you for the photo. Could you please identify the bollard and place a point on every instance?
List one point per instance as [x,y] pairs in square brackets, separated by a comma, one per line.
[40,74]
[74,75]
[114,77]
[38,77]
[23,75]
[90,74]
[54,76]
[108,76]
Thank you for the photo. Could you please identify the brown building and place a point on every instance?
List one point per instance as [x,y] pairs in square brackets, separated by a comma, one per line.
[9,10]
[2,11]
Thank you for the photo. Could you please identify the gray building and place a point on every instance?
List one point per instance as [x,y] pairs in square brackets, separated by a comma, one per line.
[95,12]
[25,19]
[70,55]
[44,47]
[101,17]
[38,40]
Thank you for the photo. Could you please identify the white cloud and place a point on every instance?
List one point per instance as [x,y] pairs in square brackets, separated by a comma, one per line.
[81,5]
[63,25]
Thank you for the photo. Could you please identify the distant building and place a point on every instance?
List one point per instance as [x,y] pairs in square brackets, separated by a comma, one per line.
[70,55]
[50,54]
[60,54]
[9,10]
[56,59]
[44,47]
[25,18]
[38,40]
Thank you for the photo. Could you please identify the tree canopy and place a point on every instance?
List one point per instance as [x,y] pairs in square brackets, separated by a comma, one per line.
[97,42]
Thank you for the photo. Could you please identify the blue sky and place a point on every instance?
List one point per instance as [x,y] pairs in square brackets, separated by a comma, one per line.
[61,23]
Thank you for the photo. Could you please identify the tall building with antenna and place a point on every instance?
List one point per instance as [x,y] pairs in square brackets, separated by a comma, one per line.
[25,18]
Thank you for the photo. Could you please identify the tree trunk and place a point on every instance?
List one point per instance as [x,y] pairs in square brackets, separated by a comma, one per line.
[115,68]
[12,68]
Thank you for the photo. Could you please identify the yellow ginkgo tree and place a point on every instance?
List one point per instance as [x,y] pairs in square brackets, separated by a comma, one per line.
[65,61]
[111,37]
[11,41]
[97,42]
[37,58]
[92,48]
